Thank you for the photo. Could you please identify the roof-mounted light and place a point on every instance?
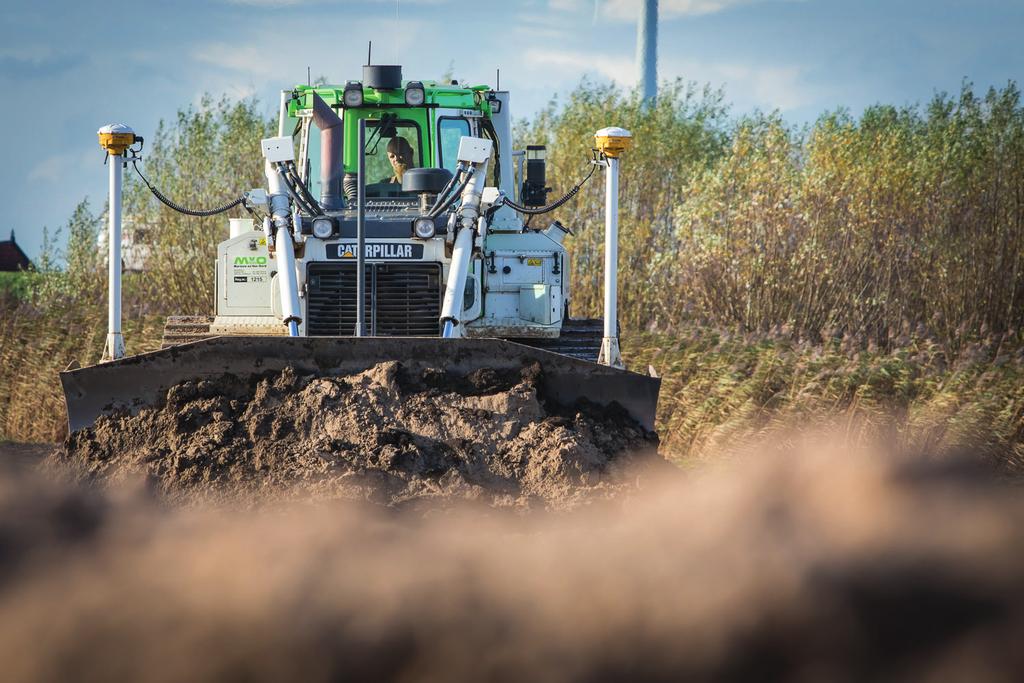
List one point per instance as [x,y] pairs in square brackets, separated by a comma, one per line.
[353,95]
[492,97]
[415,95]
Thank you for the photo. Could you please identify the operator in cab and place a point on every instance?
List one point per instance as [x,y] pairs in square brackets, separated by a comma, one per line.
[401,156]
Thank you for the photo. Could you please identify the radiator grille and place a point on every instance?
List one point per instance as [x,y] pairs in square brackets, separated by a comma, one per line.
[402,299]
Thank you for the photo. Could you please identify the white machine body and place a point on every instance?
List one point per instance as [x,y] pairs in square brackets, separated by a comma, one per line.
[494,277]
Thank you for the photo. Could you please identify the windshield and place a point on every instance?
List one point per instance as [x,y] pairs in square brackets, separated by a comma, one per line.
[392,147]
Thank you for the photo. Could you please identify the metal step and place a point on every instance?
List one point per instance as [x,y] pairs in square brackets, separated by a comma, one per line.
[182,329]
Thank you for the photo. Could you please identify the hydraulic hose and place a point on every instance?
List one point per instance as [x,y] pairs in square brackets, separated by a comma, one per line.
[536,211]
[456,193]
[298,190]
[294,193]
[447,188]
[199,213]
[310,199]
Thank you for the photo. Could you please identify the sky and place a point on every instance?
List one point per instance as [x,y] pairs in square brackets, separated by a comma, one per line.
[71,66]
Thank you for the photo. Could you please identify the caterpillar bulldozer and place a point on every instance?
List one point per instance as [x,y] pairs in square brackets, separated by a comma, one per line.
[397,224]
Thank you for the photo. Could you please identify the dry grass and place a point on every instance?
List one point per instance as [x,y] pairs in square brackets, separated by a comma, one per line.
[35,345]
[721,390]
[903,221]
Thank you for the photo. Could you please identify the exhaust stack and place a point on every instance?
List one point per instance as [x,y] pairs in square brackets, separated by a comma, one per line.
[331,142]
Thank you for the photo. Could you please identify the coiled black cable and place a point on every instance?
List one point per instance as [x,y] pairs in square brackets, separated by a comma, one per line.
[199,213]
[531,211]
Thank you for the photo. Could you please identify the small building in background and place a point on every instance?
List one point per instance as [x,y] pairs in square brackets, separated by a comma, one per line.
[134,248]
[12,258]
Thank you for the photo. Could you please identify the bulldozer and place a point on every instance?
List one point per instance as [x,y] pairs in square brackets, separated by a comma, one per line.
[398,223]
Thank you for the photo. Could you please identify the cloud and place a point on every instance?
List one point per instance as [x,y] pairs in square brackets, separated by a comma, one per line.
[767,86]
[249,58]
[668,9]
[241,70]
[782,87]
[567,5]
[48,170]
[620,69]
[269,3]
[38,66]
[627,10]
[292,3]
[536,27]
[54,168]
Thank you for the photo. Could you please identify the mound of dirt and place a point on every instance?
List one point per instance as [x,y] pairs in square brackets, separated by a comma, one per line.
[390,435]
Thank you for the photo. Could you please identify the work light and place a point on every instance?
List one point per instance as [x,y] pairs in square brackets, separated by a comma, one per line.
[415,94]
[423,228]
[353,95]
[323,228]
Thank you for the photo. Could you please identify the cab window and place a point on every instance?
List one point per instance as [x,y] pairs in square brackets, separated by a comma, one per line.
[450,131]
[312,170]
[392,147]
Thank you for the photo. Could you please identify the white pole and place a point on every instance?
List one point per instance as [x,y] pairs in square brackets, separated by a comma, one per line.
[476,152]
[282,112]
[115,341]
[285,252]
[454,291]
[361,233]
[610,354]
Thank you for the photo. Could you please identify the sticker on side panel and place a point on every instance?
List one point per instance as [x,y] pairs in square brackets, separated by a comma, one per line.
[250,269]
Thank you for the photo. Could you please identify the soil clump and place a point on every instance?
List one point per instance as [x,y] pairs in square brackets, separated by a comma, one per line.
[391,435]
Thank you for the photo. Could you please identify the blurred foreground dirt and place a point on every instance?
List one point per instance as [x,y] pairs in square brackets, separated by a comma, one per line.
[796,562]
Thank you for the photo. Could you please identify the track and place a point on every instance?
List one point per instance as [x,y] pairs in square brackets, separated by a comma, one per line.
[580,338]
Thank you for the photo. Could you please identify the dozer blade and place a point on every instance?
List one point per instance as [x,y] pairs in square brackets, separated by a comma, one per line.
[141,380]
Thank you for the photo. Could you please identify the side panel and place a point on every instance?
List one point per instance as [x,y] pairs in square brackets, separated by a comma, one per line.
[523,274]
[244,270]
